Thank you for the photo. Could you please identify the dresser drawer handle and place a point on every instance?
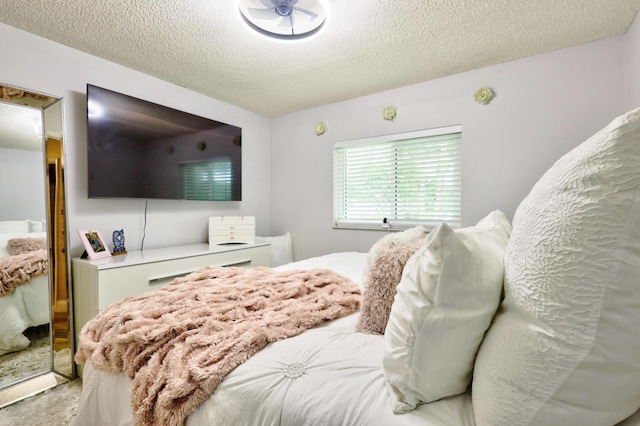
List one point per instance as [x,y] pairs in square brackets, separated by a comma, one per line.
[155,280]
[168,277]
[238,263]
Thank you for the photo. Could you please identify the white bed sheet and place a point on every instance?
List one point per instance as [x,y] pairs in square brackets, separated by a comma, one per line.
[27,306]
[329,375]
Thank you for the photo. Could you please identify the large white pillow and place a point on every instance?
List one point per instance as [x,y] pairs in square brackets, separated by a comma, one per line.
[565,345]
[448,295]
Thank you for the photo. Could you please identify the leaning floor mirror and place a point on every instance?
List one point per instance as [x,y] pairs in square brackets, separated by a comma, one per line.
[36,336]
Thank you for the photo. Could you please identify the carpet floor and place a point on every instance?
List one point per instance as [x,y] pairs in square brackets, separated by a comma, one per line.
[16,366]
[53,407]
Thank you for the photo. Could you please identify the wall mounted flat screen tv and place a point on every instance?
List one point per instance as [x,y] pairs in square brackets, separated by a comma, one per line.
[139,149]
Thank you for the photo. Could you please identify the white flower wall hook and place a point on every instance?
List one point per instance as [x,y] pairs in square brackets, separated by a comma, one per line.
[483,95]
[321,128]
[390,113]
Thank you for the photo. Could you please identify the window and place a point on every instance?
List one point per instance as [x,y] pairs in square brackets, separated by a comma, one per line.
[401,180]
[207,181]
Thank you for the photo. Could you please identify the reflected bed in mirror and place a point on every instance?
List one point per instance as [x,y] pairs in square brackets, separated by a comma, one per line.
[36,345]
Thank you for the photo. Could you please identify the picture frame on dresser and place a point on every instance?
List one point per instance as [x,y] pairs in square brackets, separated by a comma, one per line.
[94,245]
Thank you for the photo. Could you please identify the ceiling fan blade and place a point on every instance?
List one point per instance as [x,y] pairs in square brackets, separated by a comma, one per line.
[264,14]
[286,22]
[269,4]
[309,14]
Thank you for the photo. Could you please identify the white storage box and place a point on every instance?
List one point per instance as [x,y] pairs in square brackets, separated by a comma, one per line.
[232,229]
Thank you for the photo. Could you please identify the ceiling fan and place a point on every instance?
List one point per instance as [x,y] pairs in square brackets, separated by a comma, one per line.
[285,18]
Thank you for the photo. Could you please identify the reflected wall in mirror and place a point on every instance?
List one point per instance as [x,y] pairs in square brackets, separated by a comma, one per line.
[36,345]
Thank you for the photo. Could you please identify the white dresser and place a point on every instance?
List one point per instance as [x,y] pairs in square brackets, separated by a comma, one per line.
[98,283]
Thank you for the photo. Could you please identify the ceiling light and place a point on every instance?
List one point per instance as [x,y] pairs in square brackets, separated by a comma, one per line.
[284,19]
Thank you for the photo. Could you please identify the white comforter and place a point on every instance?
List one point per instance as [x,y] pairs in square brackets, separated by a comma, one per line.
[329,375]
[27,306]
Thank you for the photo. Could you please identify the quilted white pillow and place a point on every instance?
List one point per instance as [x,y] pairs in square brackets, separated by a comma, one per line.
[449,292]
[565,346]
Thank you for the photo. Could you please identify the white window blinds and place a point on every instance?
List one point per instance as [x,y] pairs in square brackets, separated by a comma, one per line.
[399,180]
[207,181]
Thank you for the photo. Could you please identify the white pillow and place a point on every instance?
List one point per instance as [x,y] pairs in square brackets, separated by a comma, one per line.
[449,292]
[13,226]
[36,225]
[565,346]
[281,249]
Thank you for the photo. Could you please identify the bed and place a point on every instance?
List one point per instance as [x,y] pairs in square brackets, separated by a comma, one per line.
[24,282]
[321,358]
[532,321]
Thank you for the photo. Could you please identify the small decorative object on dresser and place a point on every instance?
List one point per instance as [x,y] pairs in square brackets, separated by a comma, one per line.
[94,245]
[118,242]
[232,230]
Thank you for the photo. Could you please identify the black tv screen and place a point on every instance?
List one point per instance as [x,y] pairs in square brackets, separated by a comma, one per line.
[139,149]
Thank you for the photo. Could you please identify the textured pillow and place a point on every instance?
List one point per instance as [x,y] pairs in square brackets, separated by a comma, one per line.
[24,245]
[5,238]
[449,293]
[565,346]
[281,250]
[382,274]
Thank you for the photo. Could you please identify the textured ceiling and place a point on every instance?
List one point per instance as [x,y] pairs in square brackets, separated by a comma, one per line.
[365,47]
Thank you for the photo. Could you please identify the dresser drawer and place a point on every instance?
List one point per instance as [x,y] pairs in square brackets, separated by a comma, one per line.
[238,232]
[232,237]
[118,283]
[244,233]
[242,227]
[232,229]
[101,282]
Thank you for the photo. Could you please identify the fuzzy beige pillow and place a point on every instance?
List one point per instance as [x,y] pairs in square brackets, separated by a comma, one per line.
[383,271]
[24,245]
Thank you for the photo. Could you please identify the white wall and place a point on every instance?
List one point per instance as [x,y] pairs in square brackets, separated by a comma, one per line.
[22,192]
[632,65]
[545,105]
[52,68]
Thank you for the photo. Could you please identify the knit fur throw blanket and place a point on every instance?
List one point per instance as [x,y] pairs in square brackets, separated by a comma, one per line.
[179,342]
[19,269]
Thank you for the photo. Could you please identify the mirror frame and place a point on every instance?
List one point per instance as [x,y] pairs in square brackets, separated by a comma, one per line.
[62,369]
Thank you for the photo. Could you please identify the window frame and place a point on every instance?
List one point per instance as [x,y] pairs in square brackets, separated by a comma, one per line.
[392,223]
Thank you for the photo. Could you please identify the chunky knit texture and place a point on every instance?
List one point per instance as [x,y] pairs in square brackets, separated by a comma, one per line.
[179,342]
[18,270]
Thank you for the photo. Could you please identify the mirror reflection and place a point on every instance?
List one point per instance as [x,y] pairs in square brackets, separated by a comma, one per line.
[35,323]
